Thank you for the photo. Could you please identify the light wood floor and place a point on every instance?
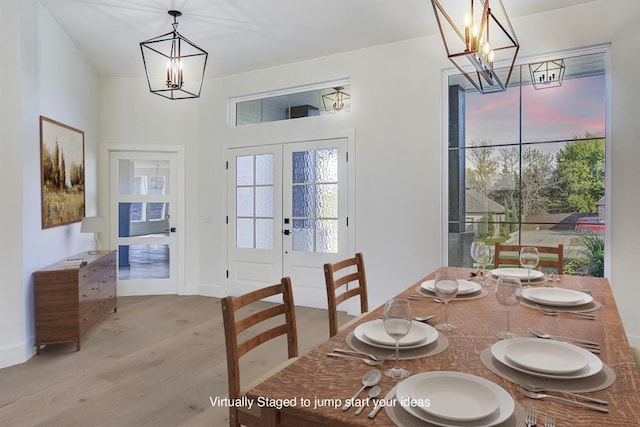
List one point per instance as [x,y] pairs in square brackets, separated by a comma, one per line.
[156,362]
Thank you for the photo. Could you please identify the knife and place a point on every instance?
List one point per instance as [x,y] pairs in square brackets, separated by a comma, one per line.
[387,399]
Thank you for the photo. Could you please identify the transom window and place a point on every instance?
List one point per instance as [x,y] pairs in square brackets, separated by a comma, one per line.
[310,101]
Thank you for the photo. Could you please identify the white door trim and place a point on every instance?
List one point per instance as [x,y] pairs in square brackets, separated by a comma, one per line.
[104,203]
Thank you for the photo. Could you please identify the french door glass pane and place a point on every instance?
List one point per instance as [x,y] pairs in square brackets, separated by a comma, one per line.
[244,232]
[327,165]
[143,177]
[143,219]
[302,167]
[314,196]
[143,262]
[264,233]
[303,235]
[327,196]
[264,169]
[254,201]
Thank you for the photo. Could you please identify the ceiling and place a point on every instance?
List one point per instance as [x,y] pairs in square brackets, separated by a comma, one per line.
[244,35]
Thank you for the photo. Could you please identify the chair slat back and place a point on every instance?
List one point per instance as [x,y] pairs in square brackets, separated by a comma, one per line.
[233,326]
[344,280]
[509,255]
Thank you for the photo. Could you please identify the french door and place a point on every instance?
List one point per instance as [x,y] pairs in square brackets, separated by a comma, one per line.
[144,218]
[288,215]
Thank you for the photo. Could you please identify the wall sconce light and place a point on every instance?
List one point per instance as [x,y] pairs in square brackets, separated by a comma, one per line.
[336,100]
[95,225]
[547,74]
[484,38]
[174,65]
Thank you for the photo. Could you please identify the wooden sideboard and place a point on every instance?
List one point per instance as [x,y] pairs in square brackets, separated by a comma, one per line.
[70,301]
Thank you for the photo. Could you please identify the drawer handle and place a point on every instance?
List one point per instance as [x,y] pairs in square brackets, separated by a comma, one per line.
[85,296]
[85,319]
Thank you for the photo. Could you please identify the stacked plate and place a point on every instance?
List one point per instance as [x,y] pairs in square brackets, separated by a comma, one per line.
[556,297]
[454,399]
[374,334]
[465,287]
[546,358]
[523,274]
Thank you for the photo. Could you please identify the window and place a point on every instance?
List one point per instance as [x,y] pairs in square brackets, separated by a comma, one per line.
[315,200]
[254,201]
[526,164]
[314,100]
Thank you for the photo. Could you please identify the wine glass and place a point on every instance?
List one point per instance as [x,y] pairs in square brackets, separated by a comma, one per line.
[529,259]
[509,294]
[446,287]
[397,323]
[481,254]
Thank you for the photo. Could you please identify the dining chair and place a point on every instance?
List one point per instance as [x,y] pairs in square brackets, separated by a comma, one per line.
[241,315]
[345,279]
[509,255]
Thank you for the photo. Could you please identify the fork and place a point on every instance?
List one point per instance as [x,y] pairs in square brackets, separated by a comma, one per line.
[531,416]
[533,395]
[536,389]
[550,420]
[362,353]
[365,360]
[550,312]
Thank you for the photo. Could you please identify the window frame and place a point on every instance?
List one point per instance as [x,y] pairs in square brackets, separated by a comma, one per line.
[234,100]
[605,49]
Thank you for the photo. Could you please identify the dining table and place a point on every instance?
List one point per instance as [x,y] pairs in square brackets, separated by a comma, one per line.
[312,390]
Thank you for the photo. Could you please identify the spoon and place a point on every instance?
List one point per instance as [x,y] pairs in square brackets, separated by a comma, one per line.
[374,392]
[424,318]
[369,379]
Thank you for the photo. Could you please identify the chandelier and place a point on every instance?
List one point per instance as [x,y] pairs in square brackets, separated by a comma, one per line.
[174,65]
[485,38]
[547,74]
[336,100]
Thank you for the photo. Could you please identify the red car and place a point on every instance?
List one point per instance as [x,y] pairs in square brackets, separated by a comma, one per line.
[590,225]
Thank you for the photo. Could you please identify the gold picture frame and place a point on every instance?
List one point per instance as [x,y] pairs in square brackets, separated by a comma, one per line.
[62,173]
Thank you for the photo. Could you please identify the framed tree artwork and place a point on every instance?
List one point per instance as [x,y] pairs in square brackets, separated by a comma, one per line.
[62,173]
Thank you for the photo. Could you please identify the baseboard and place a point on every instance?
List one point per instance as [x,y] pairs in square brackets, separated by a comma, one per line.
[15,354]
[634,341]
[209,290]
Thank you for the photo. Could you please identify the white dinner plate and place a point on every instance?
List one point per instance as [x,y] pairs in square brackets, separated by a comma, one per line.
[547,356]
[520,273]
[429,334]
[594,364]
[558,297]
[413,384]
[446,391]
[375,331]
[465,287]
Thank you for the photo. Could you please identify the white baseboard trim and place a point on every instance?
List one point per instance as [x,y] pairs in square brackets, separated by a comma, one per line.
[15,354]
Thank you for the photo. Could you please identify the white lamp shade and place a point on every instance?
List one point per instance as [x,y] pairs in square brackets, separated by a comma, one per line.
[93,224]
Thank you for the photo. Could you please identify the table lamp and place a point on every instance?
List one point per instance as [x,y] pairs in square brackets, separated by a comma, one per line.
[95,225]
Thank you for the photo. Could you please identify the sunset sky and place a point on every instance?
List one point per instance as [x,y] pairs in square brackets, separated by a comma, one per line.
[576,107]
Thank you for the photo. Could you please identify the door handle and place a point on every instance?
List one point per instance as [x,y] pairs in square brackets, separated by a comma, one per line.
[171,230]
[286,232]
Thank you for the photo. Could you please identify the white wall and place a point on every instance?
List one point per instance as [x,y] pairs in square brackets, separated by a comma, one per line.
[52,79]
[12,308]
